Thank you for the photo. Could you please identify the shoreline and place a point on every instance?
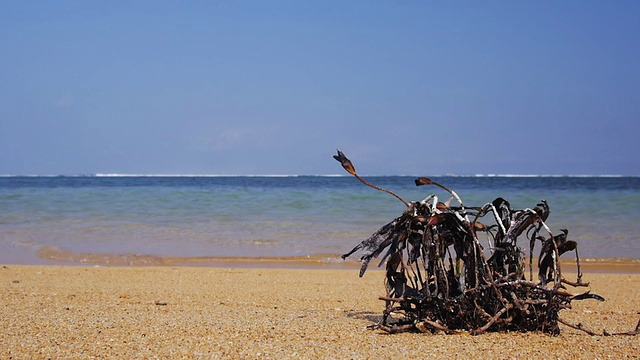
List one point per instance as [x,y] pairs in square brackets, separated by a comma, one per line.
[52,311]
[55,256]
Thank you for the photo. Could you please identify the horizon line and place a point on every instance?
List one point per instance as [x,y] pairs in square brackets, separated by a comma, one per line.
[106,175]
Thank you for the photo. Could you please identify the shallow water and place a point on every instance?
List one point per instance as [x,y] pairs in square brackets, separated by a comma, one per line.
[200,216]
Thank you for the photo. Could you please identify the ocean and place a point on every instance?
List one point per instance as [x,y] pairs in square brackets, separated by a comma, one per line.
[127,219]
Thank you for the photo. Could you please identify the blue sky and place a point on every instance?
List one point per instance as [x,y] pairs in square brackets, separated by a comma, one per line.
[275,87]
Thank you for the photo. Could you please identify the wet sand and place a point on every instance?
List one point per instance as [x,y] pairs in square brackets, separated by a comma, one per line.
[55,256]
[241,312]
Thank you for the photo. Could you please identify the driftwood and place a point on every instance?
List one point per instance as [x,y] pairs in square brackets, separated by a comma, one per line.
[440,278]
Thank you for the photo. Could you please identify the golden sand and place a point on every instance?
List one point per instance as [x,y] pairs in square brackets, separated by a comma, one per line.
[63,312]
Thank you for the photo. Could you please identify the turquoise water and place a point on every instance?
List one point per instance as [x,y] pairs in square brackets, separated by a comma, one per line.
[187,216]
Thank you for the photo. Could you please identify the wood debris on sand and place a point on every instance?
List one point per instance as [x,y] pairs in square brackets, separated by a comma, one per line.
[439,278]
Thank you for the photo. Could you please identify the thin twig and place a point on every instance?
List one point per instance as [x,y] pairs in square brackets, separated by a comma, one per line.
[493,320]
[577,327]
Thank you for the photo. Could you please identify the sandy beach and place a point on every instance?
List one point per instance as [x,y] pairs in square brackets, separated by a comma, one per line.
[215,312]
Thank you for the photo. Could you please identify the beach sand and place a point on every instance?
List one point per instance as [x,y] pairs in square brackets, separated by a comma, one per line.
[206,312]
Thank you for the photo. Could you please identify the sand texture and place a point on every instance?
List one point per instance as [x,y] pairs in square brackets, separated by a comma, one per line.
[63,312]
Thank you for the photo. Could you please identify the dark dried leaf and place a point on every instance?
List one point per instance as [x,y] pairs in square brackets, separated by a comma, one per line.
[345,162]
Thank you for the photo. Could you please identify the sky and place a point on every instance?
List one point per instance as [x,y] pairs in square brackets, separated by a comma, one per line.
[275,87]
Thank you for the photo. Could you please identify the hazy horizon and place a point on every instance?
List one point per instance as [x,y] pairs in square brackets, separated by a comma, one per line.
[107,175]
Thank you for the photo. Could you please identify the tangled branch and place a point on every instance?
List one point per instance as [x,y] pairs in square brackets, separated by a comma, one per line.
[440,278]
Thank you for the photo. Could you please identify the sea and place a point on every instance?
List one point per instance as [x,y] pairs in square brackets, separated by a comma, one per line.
[154,219]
